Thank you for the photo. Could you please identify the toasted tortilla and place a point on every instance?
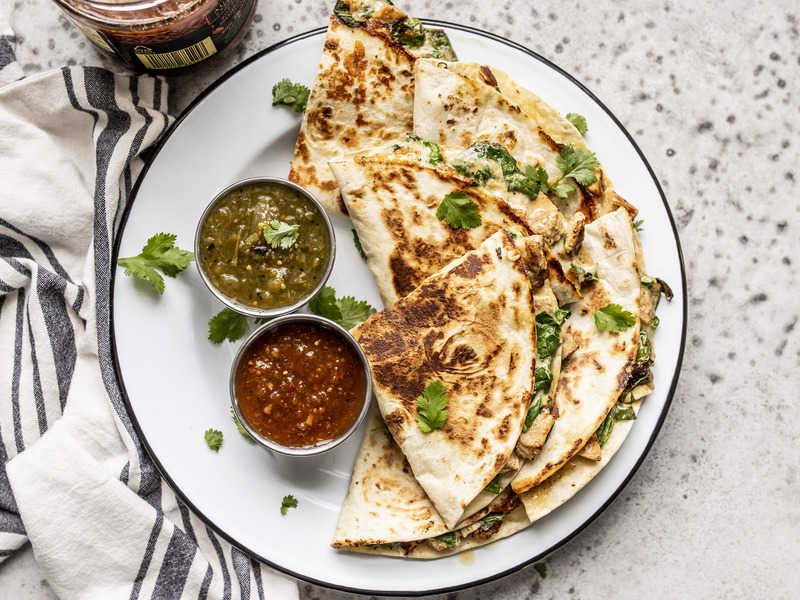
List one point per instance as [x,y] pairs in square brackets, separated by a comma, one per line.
[385,504]
[385,508]
[597,372]
[470,326]
[362,95]
[568,481]
[392,201]
[459,105]
[513,522]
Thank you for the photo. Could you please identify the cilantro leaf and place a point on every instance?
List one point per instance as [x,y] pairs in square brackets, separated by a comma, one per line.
[539,175]
[161,253]
[226,324]
[324,304]
[577,164]
[353,311]
[432,407]
[213,438]
[357,244]
[346,311]
[493,486]
[293,95]
[613,318]
[280,235]
[288,502]
[638,225]
[459,211]
[241,429]
[579,121]
[541,569]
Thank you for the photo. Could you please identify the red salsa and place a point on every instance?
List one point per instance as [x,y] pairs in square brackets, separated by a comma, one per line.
[300,384]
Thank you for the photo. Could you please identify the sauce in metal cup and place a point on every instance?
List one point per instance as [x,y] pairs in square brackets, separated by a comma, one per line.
[300,385]
[264,247]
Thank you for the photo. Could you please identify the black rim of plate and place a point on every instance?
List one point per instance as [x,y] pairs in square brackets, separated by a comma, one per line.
[526,562]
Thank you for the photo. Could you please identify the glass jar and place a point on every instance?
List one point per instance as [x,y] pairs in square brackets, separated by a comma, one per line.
[157,35]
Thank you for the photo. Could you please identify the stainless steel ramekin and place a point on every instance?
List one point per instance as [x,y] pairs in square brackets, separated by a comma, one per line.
[252,311]
[301,450]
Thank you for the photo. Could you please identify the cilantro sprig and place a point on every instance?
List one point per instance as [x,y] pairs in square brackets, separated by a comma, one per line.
[432,407]
[288,502]
[529,180]
[160,253]
[614,318]
[213,439]
[576,164]
[459,211]
[346,311]
[293,95]
[228,325]
[579,121]
[280,235]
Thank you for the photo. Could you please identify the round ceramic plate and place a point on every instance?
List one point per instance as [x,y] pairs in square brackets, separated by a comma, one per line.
[176,381]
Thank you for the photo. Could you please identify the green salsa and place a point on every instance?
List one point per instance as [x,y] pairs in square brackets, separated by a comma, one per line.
[244,260]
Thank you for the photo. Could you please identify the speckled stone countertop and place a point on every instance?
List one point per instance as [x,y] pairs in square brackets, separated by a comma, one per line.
[712,94]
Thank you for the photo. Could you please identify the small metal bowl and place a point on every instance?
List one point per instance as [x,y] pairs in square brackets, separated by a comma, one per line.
[301,450]
[252,311]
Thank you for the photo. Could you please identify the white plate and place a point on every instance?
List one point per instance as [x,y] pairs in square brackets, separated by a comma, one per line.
[176,381]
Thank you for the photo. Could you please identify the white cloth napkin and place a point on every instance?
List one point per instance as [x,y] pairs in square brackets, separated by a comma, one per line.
[75,480]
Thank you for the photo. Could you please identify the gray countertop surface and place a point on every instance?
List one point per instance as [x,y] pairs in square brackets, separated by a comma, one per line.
[711,92]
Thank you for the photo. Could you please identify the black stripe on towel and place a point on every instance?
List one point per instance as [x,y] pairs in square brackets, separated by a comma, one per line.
[175,567]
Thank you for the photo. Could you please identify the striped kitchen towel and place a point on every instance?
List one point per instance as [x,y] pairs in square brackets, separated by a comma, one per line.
[75,480]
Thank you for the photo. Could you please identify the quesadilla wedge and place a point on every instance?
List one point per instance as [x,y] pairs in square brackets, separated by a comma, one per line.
[465,104]
[600,366]
[393,202]
[387,512]
[467,335]
[363,92]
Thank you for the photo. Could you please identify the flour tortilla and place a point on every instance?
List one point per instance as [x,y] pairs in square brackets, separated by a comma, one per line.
[392,201]
[470,326]
[385,505]
[513,522]
[573,477]
[459,105]
[596,373]
[362,97]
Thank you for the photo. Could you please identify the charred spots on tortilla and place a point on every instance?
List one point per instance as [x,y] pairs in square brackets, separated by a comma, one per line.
[487,76]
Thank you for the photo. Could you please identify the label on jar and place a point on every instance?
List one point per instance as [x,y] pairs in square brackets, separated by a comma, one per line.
[177,58]
[95,37]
